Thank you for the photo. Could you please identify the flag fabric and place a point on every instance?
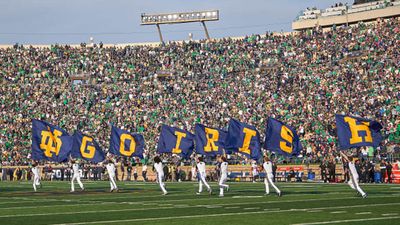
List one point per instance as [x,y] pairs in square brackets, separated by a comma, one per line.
[209,141]
[176,141]
[243,138]
[356,132]
[124,143]
[85,147]
[281,138]
[49,142]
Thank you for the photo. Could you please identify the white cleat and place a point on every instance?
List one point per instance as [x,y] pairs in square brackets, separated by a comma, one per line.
[198,193]
[165,193]
[220,195]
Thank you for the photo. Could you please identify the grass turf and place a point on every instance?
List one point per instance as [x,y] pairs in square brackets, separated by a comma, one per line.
[142,203]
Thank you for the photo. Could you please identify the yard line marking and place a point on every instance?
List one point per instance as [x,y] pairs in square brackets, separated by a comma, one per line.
[350,220]
[251,208]
[219,205]
[251,196]
[313,211]
[239,203]
[337,212]
[232,207]
[211,215]
[390,214]
[362,213]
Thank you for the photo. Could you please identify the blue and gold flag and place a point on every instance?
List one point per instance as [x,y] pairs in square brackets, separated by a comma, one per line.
[50,142]
[281,138]
[176,141]
[243,138]
[124,143]
[209,141]
[356,132]
[85,147]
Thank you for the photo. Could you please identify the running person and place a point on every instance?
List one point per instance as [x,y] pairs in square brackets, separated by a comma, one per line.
[224,176]
[254,171]
[111,174]
[201,169]
[36,177]
[76,176]
[353,182]
[158,166]
[269,177]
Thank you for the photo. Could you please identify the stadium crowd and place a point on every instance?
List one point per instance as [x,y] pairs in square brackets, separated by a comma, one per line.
[303,79]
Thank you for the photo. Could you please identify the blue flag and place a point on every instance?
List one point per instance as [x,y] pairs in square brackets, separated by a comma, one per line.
[209,141]
[86,147]
[243,138]
[126,144]
[281,138]
[50,142]
[176,141]
[356,132]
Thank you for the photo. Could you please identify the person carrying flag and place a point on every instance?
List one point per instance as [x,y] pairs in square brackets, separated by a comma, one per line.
[36,177]
[111,175]
[268,180]
[201,169]
[158,166]
[76,176]
[353,182]
[224,176]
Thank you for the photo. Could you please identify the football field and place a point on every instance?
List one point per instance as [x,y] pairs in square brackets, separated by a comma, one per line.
[245,203]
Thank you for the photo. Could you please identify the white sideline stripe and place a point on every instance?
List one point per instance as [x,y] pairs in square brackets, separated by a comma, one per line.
[363,213]
[390,214]
[239,203]
[337,212]
[220,205]
[250,196]
[213,215]
[251,208]
[349,221]
[232,207]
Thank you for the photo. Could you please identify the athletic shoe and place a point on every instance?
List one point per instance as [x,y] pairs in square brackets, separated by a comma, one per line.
[279,194]
[364,196]
[71,191]
[111,190]
[83,189]
[266,194]
[210,191]
[198,193]
[165,193]
[227,188]
[220,195]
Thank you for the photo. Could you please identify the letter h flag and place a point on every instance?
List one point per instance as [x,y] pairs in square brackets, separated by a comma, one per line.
[356,132]
[281,138]
[176,141]
[243,138]
[124,143]
[50,142]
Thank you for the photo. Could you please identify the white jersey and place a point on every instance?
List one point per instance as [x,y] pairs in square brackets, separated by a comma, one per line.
[144,168]
[268,168]
[75,168]
[111,169]
[224,168]
[353,170]
[201,167]
[35,171]
[159,168]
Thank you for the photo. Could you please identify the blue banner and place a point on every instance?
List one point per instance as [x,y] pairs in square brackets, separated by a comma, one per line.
[356,132]
[85,147]
[124,143]
[281,138]
[243,138]
[209,141]
[176,141]
[50,142]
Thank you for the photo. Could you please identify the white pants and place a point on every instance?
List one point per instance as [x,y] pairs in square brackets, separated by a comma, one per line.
[113,185]
[353,183]
[203,181]
[222,184]
[36,181]
[268,181]
[161,183]
[76,177]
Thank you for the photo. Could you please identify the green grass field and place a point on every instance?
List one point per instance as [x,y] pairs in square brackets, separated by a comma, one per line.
[142,203]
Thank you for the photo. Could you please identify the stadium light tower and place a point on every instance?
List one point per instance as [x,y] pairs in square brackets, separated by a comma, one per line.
[180,17]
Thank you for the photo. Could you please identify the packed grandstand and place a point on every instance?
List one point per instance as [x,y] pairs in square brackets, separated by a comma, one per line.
[303,78]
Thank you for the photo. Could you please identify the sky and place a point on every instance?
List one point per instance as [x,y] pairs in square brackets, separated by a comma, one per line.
[118,21]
